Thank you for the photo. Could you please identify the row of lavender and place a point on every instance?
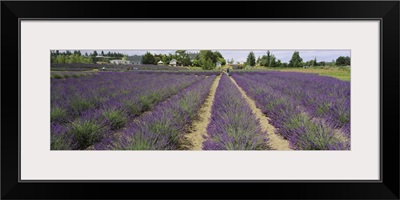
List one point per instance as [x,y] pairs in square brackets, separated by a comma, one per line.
[85,110]
[311,111]
[70,74]
[232,126]
[86,66]
[75,74]
[165,125]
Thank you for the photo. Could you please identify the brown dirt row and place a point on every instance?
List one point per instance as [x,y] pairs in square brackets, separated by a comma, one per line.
[193,140]
[276,142]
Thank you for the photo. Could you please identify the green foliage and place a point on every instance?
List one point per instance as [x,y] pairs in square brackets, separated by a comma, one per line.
[207,59]
[73,58]
[269,60]
[116,118]
[207,64]
[343,61]
[60,142]
[182,57]
[57,76]
[80,104]
[272,61]
[58,114]
[222,60]
[251,59]
[148,58]
[296,60]
[311,63]
[86,132]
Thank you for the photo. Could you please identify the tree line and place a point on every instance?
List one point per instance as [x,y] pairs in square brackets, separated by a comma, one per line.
[269,60]
[206,59]
[77,57]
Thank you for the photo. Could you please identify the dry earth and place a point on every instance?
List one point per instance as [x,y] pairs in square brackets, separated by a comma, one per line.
[194,139]
[276,142]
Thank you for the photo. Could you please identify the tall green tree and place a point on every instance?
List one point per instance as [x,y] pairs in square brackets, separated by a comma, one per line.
[272,61]
[207,64]
[148,58]
[251,59]
[268,59]
[182,57]
[296,60]
[207,59]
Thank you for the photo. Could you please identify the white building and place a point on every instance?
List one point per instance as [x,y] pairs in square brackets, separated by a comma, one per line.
[120,62]
[172,63]
[160,63]
[218,64]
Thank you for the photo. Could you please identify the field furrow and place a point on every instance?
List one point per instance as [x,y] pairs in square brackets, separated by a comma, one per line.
[92,120]
[194,139]
[276,142]
[165,125]
[303,131]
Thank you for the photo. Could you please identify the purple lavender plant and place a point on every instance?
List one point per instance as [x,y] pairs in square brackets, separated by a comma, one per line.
[112,98]
[308,110]
[163,127]
[232,126]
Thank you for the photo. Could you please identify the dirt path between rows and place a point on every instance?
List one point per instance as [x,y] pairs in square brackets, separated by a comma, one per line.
[194,139]
[276,142]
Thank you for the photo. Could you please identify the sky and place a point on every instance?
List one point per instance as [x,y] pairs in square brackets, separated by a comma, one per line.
[241,55]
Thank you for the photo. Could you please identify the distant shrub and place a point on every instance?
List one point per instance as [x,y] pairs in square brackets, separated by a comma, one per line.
[57,76]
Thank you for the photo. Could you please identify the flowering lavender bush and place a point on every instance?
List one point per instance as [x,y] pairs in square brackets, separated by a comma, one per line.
[232,126]
[308,110]
[90,108]
[163,127]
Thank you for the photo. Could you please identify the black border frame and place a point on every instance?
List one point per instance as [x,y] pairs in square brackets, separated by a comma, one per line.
[387,12]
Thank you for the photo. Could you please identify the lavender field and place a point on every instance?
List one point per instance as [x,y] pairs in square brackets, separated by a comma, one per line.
[177,110]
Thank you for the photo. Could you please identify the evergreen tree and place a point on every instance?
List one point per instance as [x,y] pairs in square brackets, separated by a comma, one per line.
[251,59]
[268,59]
[296,60]
[272,61]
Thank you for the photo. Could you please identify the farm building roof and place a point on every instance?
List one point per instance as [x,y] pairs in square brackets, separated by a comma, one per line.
[134,58]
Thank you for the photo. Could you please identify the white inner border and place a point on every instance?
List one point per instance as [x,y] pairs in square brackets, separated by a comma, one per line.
[39,163]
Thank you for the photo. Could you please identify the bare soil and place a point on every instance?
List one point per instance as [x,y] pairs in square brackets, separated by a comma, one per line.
[193,140]
[276,142]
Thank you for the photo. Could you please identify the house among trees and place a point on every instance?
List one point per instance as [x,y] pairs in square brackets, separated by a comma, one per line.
[160,63]
[135,60]
[218,64]
[120,62]
[172,63]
